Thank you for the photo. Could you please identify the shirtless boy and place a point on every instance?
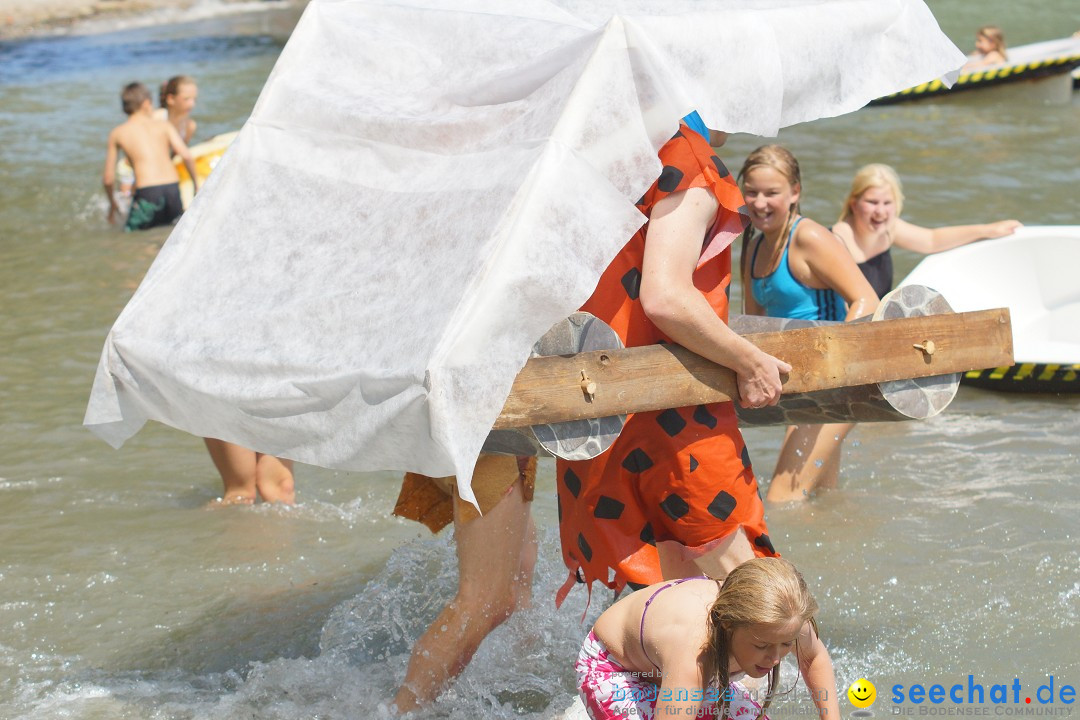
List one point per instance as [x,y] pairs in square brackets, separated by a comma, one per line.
[148,144]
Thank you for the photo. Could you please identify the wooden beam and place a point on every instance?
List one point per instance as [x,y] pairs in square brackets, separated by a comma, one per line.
[655,377]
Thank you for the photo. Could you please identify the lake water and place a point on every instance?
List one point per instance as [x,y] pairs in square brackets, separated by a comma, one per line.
[950,548]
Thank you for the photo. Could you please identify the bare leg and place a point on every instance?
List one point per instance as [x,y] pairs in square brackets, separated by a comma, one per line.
[809,459]
[274,479]
[496,556]
[236,465]
[527,564]
[677,561]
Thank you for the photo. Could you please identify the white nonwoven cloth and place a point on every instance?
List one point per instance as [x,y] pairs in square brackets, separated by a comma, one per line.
[424,188]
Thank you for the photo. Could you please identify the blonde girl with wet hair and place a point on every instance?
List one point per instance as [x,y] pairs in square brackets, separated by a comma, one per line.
[667,650]
[989,48]
[793,267]
[870,225]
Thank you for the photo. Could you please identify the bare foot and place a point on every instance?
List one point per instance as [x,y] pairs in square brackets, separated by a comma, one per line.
[229,500]
[274,479]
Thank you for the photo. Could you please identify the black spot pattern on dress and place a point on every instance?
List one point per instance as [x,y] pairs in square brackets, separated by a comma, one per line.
[631,282]
[669,179]
[703,416]
[720,167]
[763,541]
[745,457]
[722,505]
[693,463]
[572,482]
[608,508]
[636,586]
[671,421]
[647,535]
[586,551]
[674,506]
[637,461]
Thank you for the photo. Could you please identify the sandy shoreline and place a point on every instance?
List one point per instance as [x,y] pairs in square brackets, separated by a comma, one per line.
[22,18]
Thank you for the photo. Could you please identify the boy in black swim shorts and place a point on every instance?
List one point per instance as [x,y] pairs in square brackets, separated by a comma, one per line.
[156,205]
[149,144]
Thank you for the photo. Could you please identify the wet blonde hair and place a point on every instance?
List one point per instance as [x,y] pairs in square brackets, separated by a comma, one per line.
[874,175]
[994,34]
[778,158]
[762,591]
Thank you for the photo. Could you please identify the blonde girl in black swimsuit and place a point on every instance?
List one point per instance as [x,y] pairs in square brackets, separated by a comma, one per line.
[870,225]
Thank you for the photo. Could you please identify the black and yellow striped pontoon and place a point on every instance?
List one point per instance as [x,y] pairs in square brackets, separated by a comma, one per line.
[1026,62]
[1027,377]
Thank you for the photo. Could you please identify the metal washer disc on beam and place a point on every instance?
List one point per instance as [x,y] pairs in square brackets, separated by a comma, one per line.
[918,398]
[579,439]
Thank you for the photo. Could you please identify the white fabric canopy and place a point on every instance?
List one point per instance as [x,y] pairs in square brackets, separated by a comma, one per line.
[424,187]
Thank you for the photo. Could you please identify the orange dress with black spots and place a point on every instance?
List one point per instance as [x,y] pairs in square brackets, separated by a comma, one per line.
[682,474]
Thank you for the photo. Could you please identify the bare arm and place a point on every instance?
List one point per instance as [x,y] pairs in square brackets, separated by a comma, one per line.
[832,265]
[669,298]
[681,692]
[817,670]
[108,176]
[926,241]
[993,57]
[181,149]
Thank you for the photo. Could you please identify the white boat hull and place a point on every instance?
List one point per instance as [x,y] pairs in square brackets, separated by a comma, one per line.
[1048,63]
[1036,274]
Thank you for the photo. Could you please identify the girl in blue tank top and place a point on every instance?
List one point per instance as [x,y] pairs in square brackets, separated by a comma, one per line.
[780,294]
[793,267]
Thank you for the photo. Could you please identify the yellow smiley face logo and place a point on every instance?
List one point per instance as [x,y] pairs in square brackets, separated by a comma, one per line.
[862,693]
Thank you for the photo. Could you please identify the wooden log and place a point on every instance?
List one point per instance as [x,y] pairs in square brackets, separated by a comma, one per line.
[655,377]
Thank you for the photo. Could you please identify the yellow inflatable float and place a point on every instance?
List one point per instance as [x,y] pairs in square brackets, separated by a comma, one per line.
[206,156]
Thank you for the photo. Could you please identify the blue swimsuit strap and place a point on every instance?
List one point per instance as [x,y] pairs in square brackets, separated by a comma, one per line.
[753,260]
[641,630]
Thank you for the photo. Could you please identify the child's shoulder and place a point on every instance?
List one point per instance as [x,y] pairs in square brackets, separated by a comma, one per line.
[696,590]
[811,231]
[843,230]
[124,129]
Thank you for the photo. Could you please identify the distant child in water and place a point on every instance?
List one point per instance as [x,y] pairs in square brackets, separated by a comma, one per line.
[177,98]
[678,649]
[989,48]
[149,144]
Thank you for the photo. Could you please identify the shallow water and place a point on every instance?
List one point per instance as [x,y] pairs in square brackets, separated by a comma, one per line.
[949,549]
